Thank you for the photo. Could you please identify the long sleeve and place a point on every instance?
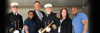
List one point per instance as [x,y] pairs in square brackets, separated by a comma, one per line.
[56,23]
[8,24]
[42,25]
[21,22]
[69,25]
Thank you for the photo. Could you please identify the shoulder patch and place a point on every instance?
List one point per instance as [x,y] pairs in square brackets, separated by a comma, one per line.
[57,15]
[54,26]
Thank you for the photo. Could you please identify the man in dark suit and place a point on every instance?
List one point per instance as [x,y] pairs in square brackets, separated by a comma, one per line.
[14,21]
[48,18]
[38,15]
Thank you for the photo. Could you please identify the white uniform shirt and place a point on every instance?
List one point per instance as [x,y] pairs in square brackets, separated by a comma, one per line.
[15,13]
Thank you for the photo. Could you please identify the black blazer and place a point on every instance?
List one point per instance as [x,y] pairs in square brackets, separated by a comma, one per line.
[15,22]
[37,21]
[66,26]
[47,20]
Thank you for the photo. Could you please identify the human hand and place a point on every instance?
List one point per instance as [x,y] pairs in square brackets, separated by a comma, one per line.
[48,29]
[39,30]
[16,31]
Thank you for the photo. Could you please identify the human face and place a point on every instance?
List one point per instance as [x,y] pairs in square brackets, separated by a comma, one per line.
[74,11]
[63,13]
[14,9]
[48,9]
[37,6]
[30,15]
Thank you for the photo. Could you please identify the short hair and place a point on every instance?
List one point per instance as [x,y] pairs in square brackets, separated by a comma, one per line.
[66,12]
[30,11]
[36,1]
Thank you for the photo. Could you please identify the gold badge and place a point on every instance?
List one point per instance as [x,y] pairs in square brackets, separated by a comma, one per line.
[54,26]
[57,15]
[48,5]
[14,3]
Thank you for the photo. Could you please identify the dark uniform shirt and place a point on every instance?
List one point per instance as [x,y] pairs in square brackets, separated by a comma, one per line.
[30,24]
[14,22]
[48,19]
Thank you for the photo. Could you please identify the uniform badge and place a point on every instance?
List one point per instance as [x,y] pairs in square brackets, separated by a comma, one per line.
[54,26]
[14,3]
[57,15]
[48,5]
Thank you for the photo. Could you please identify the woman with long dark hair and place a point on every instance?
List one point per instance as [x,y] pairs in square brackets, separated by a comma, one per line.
[65,22]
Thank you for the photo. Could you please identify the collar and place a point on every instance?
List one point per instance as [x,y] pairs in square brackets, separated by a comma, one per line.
[28,18]
[50,12]
[77,14]
[15,13]
[37,11]
[62,20]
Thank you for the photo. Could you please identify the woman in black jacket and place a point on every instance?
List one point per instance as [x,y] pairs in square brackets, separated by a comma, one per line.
[65,22]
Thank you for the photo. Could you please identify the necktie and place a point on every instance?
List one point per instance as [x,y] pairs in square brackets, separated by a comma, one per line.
[40,16]
[15,14]
[48,15]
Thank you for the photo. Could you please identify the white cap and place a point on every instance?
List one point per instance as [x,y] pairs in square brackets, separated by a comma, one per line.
[14,3]
[48,5]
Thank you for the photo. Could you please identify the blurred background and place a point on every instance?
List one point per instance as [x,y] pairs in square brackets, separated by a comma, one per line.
[25,5]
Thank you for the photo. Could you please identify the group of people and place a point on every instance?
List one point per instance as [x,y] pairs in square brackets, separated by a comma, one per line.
[38,20]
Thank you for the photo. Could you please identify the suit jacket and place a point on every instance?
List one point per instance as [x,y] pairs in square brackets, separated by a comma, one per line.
[66,26]
[47,20]
[14,22]
[37,21]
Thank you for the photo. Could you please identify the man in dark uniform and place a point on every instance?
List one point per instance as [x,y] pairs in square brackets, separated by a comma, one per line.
[48,18]
[14,21]
[38,15]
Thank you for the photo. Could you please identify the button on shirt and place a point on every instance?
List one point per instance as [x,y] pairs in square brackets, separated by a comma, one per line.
[59,28]
[77,22]
[38,14]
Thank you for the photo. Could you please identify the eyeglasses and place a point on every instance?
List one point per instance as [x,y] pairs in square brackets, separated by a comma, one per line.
[14,7]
